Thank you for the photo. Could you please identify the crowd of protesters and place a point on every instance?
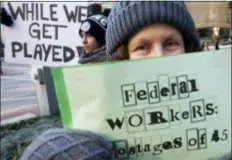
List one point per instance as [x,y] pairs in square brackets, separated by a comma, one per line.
[130,30]
[133,30]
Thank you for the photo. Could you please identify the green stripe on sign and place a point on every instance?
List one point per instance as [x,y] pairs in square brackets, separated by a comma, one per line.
[62,96]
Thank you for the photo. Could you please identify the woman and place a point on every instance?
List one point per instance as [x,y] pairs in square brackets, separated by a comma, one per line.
[147,29]
[92,32]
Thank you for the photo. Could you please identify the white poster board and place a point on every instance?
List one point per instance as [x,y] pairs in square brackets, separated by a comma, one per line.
[172,107]
[44,33]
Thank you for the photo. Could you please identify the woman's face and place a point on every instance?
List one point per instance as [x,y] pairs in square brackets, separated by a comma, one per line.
[89,42]
[155,40]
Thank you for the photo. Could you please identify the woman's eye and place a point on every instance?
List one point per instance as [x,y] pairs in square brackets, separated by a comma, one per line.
[171,45]
[141,48]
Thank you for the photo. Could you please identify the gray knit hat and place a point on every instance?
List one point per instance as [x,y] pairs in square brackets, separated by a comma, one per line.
[126,18]
[67,144]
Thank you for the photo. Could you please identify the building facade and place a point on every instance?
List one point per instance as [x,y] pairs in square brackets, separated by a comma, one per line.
[210,14]
[205,13]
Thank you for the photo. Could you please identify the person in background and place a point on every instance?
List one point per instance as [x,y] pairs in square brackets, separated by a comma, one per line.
[5,18]
[203,46]
[92,32]
[7,21]
[1,55]
[217,44]
[207,45]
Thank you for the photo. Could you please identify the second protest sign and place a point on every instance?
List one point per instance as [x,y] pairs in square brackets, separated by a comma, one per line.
[44,33]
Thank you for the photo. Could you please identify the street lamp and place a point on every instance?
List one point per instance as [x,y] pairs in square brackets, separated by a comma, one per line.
[213,18]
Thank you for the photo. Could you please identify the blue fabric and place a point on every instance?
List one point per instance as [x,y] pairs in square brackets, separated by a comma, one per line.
[68,144]
[97,56]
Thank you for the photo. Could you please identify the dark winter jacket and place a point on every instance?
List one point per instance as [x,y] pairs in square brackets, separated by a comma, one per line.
[98,55]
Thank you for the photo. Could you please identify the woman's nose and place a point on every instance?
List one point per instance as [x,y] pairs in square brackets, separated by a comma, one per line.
[156,51]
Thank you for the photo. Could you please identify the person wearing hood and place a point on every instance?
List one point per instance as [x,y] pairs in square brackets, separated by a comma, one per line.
[92,32]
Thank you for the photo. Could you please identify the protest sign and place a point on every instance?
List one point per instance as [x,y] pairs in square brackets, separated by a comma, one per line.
[44,33]
[160,108]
